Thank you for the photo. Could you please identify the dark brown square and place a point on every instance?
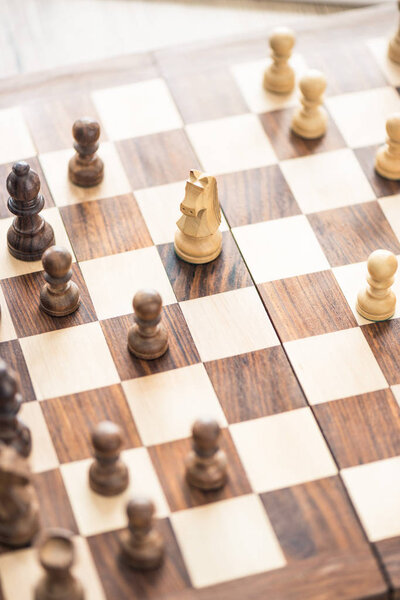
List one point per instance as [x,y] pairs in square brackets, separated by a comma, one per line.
[349,234]
[389,551]
[5,170]
[207,95]
[225,273]
[50,121]
[169,462]
[277,125]
[22,296]
[157,159]
[307,305]
[11,352]
[181,352]
[361,429]
[255,385]
[55,508]
[76,416]
[105,227]
[384,340]
[122,583]
[256,195]
[380,185]
[313,518]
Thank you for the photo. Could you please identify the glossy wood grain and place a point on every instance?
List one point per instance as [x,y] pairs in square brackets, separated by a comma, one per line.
[383,339]
[55,508]
[11,352]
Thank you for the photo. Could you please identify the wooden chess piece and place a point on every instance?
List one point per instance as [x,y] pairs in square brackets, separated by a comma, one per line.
[279,76]
[147,338]
[29,235]
[142,546]
[387,160]
[59,296]
[394,45]
[310,120]
[85,168]
[57,555]
[377,302]
[206,464]
[198,239]
[19,508]
[13,431]
[108,475]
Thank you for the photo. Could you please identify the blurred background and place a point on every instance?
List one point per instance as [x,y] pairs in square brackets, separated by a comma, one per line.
[41,34]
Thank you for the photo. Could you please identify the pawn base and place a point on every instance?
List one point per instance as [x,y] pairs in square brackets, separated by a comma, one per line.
[109,482]
[375,310]
[144,555]
[86,175]
[30,248]
[198,251]
[206,474]
[387,166]
[73,591]
[279,82]
[59,305]
[148,348]
[309,128]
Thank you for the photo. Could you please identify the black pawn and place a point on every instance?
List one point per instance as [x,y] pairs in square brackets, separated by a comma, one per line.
[108,475]
[148,338]
[59,296]
[29,235]
[86,169]
[142,546]
[57,555]
[206,464]
[13,431]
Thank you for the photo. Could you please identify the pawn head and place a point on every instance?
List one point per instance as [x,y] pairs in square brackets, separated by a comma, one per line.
[393,127]
[107,437]
[86,131]
[206,432]
[147,304]
[23,183]
[140,511]
[56,550]
[282,40]
[8,382]
[382,264]
[313,84]
[57,261]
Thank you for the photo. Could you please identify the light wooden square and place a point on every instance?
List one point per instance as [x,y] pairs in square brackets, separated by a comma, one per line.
[280,248]
[10,266]
[165,405]
[231,144]
[379,49]
[95,513]
[68,361]
[229,323]
[226,540]
[137,109]
[352,279]
[375,491]
[316,185]
[159,206]
[43,456]
[335,365]
[113,280]
[55,167]
[7,330]
[361,116]
[282,450]
[391,209]
[249,78]
[14,133]
[20,571]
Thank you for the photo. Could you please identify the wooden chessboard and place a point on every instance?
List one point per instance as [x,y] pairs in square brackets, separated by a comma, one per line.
[265,338]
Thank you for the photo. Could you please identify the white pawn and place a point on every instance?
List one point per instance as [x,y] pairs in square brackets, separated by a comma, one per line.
[394,45]
[309,121]
[377,302]
[279,75]
[387,160]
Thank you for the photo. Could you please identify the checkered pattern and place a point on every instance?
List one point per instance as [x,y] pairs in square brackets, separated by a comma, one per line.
[266,338]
